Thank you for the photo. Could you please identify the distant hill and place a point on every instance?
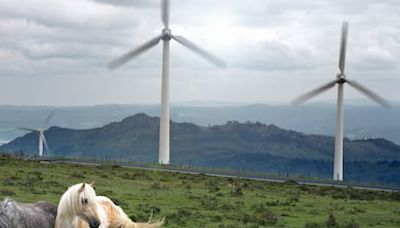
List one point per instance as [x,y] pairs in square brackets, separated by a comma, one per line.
[249,145]
[361,121]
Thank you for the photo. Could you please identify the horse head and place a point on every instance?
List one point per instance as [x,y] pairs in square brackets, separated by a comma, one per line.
[78,201]
[86,205]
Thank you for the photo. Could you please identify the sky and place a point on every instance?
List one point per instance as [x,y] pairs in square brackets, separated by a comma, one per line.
[56,52]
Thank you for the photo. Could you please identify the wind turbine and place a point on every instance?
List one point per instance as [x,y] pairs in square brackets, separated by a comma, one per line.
[42,138]
[165,36]
[340,80]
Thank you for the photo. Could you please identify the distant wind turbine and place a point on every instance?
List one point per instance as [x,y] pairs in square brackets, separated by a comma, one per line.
[340,81]
[42,138]
[165,36]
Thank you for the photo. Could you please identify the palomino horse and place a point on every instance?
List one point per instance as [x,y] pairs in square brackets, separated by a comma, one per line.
[27,215]
[79,207]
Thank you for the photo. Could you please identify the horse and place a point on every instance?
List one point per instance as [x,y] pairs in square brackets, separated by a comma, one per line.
[27,215]
[80,207]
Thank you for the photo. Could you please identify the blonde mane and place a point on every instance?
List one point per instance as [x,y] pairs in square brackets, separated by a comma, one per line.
[118,219]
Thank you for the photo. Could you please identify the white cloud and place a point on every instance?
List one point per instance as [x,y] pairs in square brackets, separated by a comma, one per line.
[267,44]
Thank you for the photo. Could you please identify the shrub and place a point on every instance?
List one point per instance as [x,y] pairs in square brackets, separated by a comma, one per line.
[356,210]
[9,180]
[227,207]
[148,209]
[54,184]
[34,177]
[78,175]
[272,203]
[313,225]
[266,218]
[395,196]
[352,224]
[216,218]
[236,188]
[213,186]
[245,218]
[331,222]
[263,216]
[238,191]
[6,192]
[209,202]
[115,166]
[180,217]
[158,186]
[361,194]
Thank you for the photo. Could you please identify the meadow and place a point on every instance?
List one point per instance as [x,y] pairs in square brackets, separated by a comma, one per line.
[188,200]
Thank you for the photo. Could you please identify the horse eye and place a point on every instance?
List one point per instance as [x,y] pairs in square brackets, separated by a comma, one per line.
[84,201]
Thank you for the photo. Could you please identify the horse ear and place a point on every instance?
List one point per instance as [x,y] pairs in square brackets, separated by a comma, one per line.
[81,188]
[92,184]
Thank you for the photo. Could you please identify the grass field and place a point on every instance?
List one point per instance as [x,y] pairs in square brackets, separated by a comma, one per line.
[202,201]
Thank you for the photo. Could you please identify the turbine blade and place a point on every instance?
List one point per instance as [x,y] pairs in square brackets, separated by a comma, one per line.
[46,144]
[210,57]
[47,120]
[343,45]
[313,93]
[27,129]
[165,12]
[373,96]
[135,52]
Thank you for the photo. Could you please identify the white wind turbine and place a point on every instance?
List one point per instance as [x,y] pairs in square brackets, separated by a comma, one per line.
[42,138]
[340,81]
[165,36]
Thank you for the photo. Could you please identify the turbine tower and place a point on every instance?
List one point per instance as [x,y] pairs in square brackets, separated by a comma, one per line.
[165,36]
[340,80]
[42,138]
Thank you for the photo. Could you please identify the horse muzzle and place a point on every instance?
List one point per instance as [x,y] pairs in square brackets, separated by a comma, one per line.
[94,223]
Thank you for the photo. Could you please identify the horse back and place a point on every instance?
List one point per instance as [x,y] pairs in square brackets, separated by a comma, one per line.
[29,215]
[47,207]
[108,209]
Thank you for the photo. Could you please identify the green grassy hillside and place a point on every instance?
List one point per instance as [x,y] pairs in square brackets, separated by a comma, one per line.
[201,201]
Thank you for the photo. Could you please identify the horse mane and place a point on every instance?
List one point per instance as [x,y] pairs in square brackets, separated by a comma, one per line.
[118,219]
[69,203]
[125,222]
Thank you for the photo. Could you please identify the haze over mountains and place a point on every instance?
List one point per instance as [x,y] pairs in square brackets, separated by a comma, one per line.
[361,120]
[250,145]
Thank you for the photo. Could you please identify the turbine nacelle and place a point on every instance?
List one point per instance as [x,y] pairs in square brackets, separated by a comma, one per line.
[166,34]
[340,76]
[341,79]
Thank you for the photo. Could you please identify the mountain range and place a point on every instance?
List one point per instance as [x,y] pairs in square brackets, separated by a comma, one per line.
[361,120]
[253,146]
